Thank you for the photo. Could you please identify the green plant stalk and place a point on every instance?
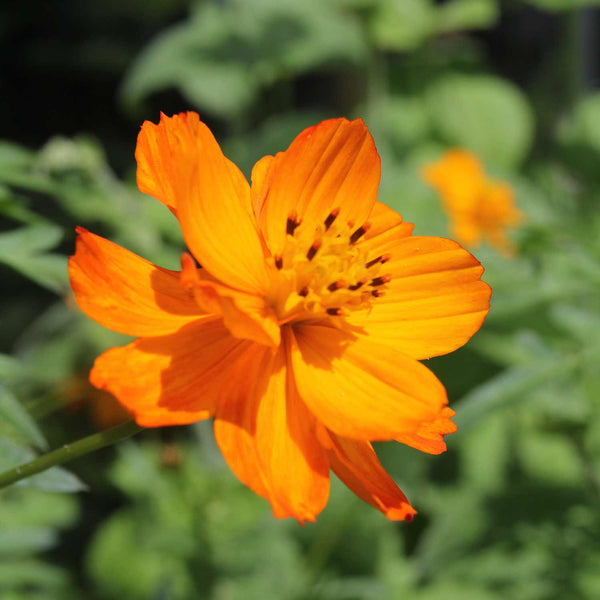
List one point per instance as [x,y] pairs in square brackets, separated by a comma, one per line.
[69,452]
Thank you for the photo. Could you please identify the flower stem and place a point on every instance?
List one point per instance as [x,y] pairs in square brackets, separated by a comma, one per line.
[69,452]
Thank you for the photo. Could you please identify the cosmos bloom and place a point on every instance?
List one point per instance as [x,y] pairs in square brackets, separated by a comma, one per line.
[298,317]
[479,208]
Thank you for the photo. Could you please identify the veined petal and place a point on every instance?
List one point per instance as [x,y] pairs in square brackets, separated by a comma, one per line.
[161,146]
[170,380]
[434,302]
[181,163]
[331,165]
[357,465]
[126,293]
[245,315]
[283,458]
[387,227]
[262,174]
[361,389]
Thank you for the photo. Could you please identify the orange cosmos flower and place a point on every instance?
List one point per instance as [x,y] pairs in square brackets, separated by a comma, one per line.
[301,328]
[478,207]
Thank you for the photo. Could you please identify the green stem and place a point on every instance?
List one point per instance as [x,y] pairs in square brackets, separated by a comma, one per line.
[69,452]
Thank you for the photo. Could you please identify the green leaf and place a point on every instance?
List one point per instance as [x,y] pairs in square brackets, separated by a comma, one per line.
[225,54]
[48,270]
[29,240]
[11,369]
[22,250]
[583,126]
[484,114]
[32,574]
[55,479]
[557,5]
[466,14]
[20,541]
[14,156]
[402,24]
[513,385]
[12,411]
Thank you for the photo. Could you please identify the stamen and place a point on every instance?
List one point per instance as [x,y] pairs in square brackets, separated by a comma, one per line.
[380,280]
[380,259]
[336,285]
[377,293]
[359,233]
[314,249]
[373,262]
[292,223]
[333,215]
[357,285]
[279,262]
[334,312]
[303,292]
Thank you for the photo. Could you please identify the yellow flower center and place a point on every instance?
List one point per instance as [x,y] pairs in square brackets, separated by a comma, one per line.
[324,271]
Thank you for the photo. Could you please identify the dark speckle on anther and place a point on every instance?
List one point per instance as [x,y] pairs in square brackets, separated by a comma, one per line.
[359,233]
[333,215]
[292,223]
[313,249]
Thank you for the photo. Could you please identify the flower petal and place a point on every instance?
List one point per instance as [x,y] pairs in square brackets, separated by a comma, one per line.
[160,147]
[357,465]
[170,380]
[458,177]
[181,163]
[331,165]
[245,315]
[126,293]
[387,227]
[277,433]
[361,389]
[430,437]
[434,302]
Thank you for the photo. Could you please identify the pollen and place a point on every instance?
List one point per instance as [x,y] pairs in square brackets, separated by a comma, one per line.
[325,271]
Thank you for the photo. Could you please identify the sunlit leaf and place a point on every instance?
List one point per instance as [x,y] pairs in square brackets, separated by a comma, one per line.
[13,412]
[484,114]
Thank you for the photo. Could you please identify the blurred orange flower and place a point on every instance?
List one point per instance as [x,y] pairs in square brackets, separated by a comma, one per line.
[301,328]
[479,208]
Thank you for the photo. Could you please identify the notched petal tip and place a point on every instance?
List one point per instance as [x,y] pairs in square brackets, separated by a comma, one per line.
[357,466]
[429,437]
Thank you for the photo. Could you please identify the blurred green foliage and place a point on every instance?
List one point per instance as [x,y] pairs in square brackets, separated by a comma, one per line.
[511,510]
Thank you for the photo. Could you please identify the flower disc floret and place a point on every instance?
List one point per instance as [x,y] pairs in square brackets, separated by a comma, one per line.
[324,271]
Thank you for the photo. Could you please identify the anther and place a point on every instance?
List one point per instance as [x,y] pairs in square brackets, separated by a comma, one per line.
[380,259]
[336,285]
[359,233]
[377,293]
[314,249]
[292,223]
[279,262]
[357,285]
[303,292]
[334,312]
[373,262]
[333,215]
[380,280]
